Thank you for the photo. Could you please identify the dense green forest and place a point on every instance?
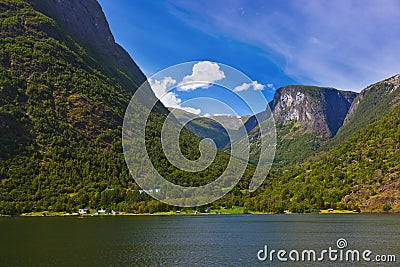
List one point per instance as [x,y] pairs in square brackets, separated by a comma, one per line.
[289,151]
[56,100]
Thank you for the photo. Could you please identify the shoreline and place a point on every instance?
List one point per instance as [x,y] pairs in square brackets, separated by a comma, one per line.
[172,213]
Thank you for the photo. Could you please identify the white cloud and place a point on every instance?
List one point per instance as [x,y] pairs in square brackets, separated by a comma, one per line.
[203,75]
[169,99]
[270,87]
[253,85]
[243,87]
[196,111]
[160,87]
[258,86]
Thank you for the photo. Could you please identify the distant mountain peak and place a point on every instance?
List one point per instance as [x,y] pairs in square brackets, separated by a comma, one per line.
[86,22]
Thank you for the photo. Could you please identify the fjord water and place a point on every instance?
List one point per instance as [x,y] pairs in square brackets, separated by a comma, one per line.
[212,240]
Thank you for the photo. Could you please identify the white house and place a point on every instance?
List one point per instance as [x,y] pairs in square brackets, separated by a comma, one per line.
[83,211]
[101,211]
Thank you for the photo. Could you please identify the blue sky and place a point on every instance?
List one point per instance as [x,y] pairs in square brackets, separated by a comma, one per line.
[343,43]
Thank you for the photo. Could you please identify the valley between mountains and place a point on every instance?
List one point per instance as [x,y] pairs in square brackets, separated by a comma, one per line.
[65,85]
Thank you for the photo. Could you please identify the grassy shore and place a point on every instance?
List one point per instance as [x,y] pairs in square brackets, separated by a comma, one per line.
[233,210]
[337,211]
[223,211]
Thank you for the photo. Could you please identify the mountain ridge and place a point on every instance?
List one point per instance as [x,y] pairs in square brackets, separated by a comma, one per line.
[373,102]
[85,21]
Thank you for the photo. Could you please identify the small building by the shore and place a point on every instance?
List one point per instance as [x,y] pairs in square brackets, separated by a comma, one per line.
[83,211]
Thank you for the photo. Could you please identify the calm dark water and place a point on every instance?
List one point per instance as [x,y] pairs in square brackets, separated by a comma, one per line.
[227,240]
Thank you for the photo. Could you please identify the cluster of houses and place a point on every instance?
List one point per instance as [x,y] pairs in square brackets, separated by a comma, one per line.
[98,212]
[157,190]
[112,212]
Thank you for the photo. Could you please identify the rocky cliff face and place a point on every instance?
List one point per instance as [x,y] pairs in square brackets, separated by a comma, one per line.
[312,109]
[319,110]
[86,22]
[305,118]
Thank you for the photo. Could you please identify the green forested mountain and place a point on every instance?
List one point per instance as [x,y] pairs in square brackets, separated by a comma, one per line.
[63,98]
[203,127]
[363,172]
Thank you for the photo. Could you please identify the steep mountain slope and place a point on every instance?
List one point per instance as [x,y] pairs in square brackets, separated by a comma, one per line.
[63,98]
[370,105]
[305,117]
[362,173]
[85,22]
